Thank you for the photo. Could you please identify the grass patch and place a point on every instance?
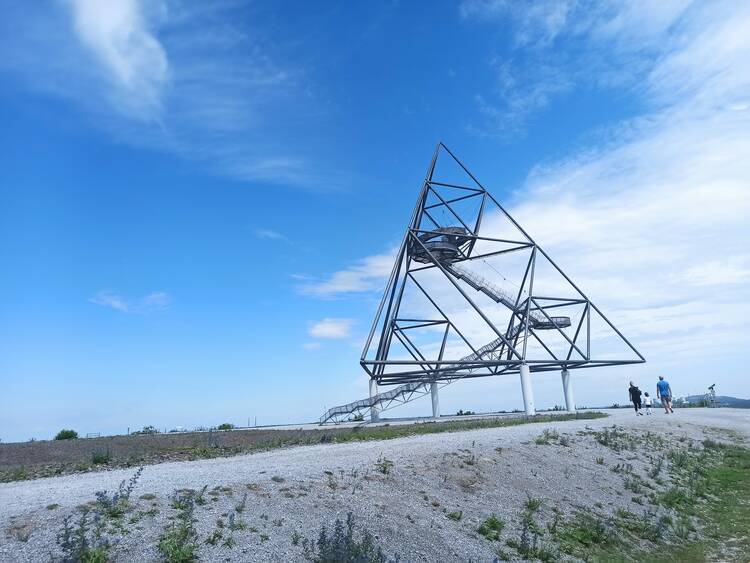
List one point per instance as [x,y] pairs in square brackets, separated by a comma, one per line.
[178,543]
[491,528]
[703,515]
[547,437]
[726,516]
[585,535]
[383,465]
[455,515]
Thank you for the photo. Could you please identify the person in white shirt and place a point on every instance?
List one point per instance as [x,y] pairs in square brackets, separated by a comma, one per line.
[647,403]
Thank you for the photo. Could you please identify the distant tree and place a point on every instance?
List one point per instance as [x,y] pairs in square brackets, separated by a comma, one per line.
[147,430]
[225,426]
[66,434]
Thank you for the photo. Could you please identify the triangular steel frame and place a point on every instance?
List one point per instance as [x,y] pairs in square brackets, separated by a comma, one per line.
[510,349]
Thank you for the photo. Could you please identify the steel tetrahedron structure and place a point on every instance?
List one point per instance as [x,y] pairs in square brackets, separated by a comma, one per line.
[472,295]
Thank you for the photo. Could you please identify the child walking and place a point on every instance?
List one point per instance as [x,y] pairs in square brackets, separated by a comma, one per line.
[647,403]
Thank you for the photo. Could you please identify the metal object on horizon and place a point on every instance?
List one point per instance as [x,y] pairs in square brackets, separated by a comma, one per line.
[710,397]
[441,318]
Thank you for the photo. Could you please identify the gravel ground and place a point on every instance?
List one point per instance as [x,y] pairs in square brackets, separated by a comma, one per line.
[293,491]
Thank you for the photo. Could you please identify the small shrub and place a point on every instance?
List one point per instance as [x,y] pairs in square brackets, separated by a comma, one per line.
[340,546]
[383,465]
[66,434]
[20,531]
[529,545]
[200,498]
[115,505]
[358,418]
[178,542]
[675,497]
[625,468]
[656,469]
[600,461]
[240,508]
[633,484]
[583,531]
[547,437]
[709,444]
[615,439]
[491,528]
[101,458]
[456,515]
[214,537]
[532,503]
[83,542]
[678,458]
[682,528]
[277,479]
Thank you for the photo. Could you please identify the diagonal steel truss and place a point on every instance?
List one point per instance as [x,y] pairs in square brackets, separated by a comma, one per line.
[447,246]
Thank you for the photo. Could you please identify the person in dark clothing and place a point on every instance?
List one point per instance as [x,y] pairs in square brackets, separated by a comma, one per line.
[635,397]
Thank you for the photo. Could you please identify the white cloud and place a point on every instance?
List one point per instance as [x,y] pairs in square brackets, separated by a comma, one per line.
[117,33]
[538,21]
[153,302]
[311,345]
[331,328]
[620,42]
[268,234]
[364,275]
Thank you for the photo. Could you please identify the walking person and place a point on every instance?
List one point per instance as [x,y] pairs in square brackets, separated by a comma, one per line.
[664,392]
[635,397]
[647,403]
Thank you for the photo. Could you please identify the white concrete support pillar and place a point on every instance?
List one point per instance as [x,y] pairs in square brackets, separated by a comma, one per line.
[570,402]
[527,391]
[435,400]
[374,410]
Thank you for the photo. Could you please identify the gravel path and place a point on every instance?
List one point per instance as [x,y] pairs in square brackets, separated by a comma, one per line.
[293,491]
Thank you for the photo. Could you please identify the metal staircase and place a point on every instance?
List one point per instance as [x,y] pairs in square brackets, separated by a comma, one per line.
[410,391]
[493,350]
[537,319]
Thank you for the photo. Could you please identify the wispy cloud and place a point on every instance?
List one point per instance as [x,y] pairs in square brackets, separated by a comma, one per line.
[134,61]
[533,22]
[331,328]
[268,234]
[616,44]
[153,302]
[206,82]
[364,275]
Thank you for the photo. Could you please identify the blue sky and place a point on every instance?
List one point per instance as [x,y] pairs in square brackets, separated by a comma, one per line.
[199,202]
